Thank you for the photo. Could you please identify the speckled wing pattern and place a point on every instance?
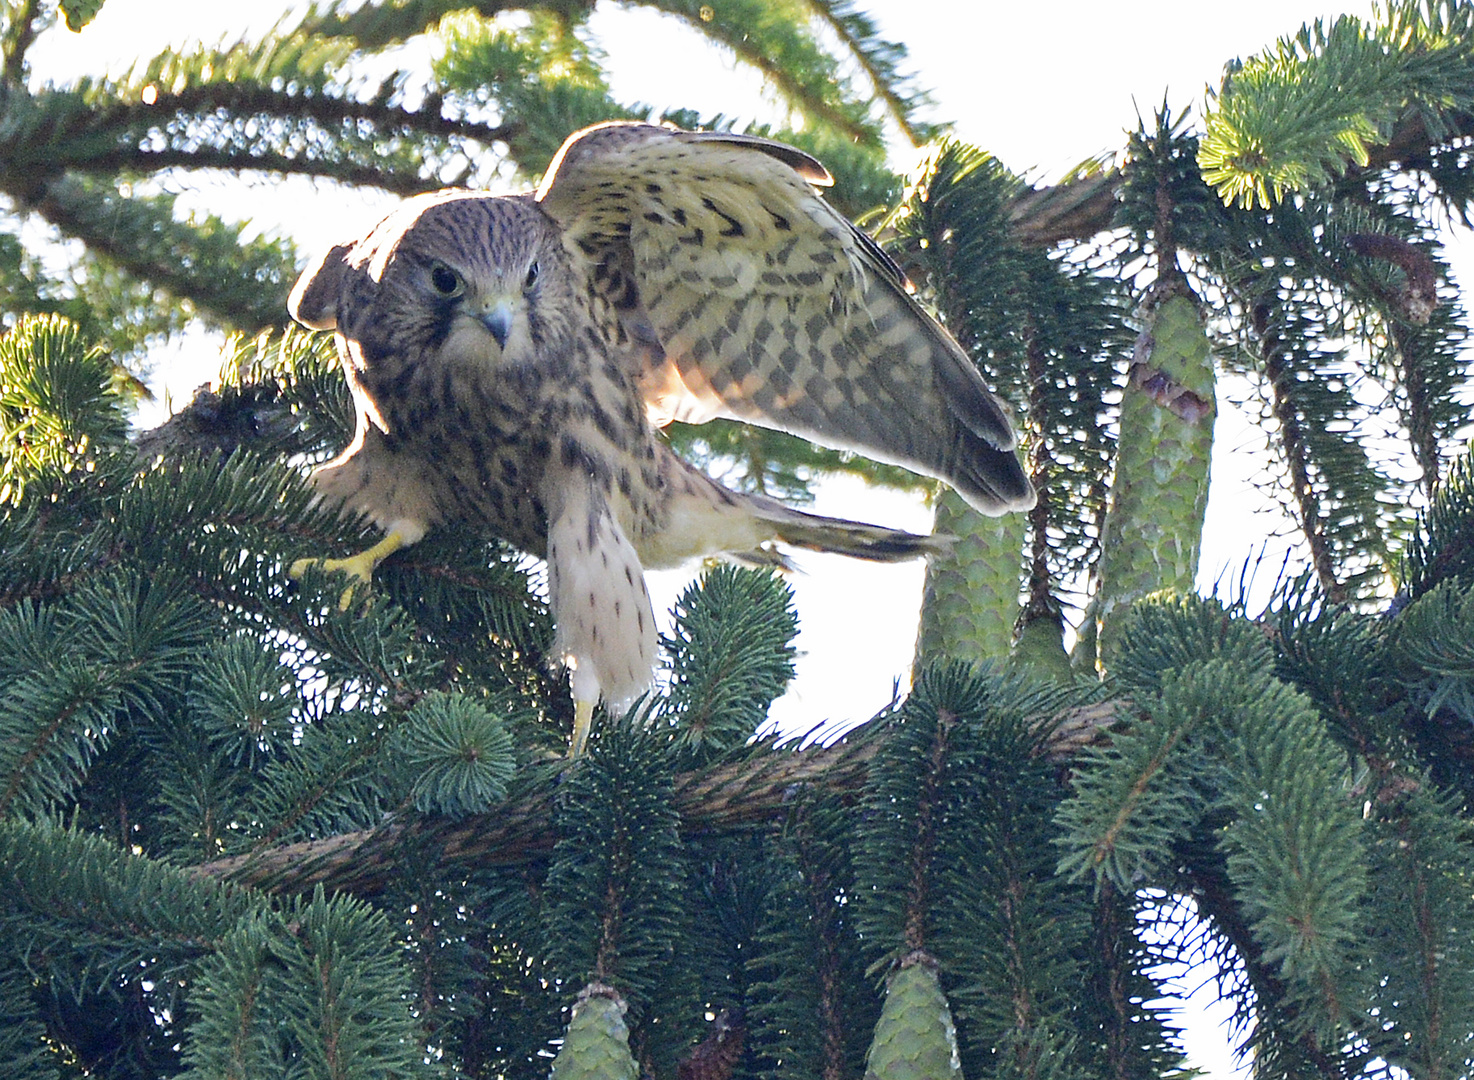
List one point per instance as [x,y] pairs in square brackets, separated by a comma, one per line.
[744,294]
[506,354]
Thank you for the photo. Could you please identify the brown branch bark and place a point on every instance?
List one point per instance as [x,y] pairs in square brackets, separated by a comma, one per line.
[1083,208]
[1043,217]
[751,792]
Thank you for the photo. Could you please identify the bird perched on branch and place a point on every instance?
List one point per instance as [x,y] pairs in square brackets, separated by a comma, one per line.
[512,358]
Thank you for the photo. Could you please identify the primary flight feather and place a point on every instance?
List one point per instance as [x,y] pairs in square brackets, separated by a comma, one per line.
[511,358]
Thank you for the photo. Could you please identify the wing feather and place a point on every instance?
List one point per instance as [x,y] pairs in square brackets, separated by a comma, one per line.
[744,294]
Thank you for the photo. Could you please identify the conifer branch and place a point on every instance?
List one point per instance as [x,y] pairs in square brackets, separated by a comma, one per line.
[1112,921]
[1286,1037]
[201,263]
[1421,428]
[1080,209]
[376,26]
[1073,210]
[213,101]
[786,55]
[1041,604]
[17,43]
[879,60]
[922,850]
[751,792]
[1297,459]
[822,893]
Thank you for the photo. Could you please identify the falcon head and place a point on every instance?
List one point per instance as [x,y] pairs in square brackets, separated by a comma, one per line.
[464,276]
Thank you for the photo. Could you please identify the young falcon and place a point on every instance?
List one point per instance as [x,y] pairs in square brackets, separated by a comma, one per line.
[511,358]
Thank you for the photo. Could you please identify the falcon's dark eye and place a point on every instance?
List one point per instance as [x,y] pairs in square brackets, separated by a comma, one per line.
[445,280]
[531,277]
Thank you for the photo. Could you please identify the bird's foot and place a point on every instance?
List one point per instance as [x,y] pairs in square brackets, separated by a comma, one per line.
[360,566]
[583,723]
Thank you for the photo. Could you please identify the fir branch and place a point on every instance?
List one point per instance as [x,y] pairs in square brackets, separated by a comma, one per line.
[724,796]
[1122,992]
[228,1030]
[1420,852]
[1442,543]
[1369,272]
[234,126]
[1424,360]
[202,263]
[1011,932]
[543,73]
[1263,782]
[376,26]
[74,888]
[1288,120]
[616,876]
[112,309]
[1293,117]
[1433,648]
[1419,412]
[1317,645]
[880,60]
[1074,210]
[329,782]
[1163,198]
[1167,633]
[1294,850]
[918,838]
[331,111]
[731,655]
[67,712]
[456,753]
[1292,443]
[778,43]
[118,642]
[808,1001]
[1084,207]
[1132,799]
[1280,1052]
[22,1034]
[59,407]
[22,24]
[322,983]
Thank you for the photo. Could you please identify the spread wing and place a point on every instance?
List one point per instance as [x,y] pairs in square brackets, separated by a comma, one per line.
[744,294]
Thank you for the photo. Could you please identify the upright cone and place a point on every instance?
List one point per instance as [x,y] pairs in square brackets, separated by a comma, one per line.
[597,1044]
[914,1037]
[1153,529]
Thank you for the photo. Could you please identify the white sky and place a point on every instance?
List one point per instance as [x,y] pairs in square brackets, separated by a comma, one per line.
[1042,88]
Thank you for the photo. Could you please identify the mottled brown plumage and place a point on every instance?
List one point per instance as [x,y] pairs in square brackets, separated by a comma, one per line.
[510,357]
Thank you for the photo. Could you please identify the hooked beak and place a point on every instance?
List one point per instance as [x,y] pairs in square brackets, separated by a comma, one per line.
[498,320]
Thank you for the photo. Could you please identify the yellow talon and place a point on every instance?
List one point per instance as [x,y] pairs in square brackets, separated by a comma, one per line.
[360,566]
[583,722]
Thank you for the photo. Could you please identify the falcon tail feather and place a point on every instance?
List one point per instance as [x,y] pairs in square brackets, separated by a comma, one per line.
[853,538]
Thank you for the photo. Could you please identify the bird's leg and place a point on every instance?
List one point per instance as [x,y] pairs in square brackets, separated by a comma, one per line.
[596,589]
[360,566]
[583,722]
